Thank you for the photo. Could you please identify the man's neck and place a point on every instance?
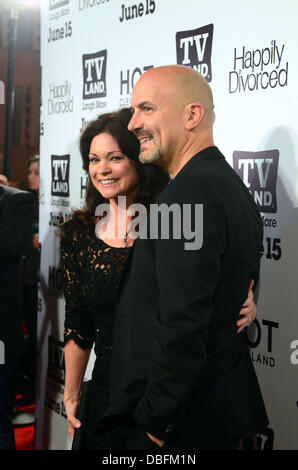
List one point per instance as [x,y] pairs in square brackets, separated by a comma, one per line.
[179,161]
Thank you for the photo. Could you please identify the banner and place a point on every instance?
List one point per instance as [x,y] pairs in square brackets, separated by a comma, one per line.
[92,54]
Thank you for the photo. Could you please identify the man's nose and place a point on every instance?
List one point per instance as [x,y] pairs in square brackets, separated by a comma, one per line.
[134,123]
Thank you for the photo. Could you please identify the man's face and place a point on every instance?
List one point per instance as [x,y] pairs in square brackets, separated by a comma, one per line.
[157,121]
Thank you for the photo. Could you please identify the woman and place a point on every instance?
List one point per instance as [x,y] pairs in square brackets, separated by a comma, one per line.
[93,264]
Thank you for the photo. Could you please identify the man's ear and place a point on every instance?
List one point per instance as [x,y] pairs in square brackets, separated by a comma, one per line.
[194,113]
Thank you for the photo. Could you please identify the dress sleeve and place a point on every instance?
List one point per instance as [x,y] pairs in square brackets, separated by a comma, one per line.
[78,324]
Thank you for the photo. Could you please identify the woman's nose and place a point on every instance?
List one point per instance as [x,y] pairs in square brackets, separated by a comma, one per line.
[104,167]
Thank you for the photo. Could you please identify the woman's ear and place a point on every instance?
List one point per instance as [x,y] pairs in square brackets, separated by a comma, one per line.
[194,113]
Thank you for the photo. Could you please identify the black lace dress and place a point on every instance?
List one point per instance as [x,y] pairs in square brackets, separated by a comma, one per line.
[92,271]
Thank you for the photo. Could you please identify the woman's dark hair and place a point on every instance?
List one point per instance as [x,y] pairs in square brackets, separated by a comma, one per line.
[33,159]
[153,179]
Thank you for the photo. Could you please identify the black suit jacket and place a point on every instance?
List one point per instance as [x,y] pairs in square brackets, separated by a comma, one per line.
[177,357]
[16,231]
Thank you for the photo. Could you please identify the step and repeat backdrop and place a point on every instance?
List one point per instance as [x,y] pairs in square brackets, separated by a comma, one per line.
[92,54]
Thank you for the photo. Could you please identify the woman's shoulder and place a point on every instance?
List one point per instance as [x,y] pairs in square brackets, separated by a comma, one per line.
[77,227]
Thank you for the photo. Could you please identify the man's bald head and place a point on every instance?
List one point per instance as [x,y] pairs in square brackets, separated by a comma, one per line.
[183,84]
[173,114]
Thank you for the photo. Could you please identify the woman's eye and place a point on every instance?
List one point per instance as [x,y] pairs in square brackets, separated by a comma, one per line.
[116,158]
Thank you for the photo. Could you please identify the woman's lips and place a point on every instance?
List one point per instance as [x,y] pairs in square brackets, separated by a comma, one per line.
[108,182]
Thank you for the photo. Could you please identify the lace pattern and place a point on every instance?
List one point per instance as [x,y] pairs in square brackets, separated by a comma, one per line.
[92,272]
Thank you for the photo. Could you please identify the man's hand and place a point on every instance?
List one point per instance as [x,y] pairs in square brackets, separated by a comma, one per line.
[157,441]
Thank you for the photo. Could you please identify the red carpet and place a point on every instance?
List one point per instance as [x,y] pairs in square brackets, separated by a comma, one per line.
[24,435]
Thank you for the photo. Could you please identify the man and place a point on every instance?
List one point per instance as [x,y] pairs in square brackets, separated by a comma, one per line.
[179,368]
[16,231]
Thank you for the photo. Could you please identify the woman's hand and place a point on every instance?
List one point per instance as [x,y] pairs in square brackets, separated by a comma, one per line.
[248,311]
[71,407]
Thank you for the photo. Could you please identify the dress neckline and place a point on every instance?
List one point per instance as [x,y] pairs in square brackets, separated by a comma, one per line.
[114,247]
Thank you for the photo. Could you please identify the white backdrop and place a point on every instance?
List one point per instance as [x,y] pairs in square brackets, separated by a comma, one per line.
[92,52]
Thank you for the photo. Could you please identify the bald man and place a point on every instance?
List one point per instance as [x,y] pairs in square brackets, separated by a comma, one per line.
[181,375]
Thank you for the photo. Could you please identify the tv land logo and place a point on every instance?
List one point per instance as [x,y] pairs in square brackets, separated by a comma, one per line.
[60,175]
[53,4]
[194,49]
[84,124]
[58,8]
[56,373]
[258,170]
[56,363]
[258,69]
[94,75]
[94,80]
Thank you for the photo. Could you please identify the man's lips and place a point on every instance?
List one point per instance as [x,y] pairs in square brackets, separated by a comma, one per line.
[144,135]
[145,140]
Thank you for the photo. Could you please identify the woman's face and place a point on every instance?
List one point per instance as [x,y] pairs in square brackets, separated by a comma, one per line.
[33,176]
[112,173]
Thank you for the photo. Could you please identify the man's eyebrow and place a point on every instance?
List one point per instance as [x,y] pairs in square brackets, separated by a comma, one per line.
[144,103]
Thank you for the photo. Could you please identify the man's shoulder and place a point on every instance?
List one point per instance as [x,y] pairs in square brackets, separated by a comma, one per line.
[9,192]
[13,198]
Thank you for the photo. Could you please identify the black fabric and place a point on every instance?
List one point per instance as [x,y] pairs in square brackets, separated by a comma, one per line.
[79,438]
[7,440]
[16,231]
[190,439]
[177,358]
[92,272]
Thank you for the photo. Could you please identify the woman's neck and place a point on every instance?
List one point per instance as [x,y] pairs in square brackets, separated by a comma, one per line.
[113,228]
